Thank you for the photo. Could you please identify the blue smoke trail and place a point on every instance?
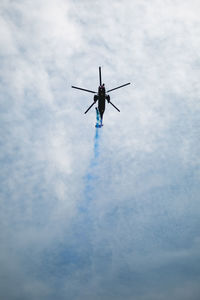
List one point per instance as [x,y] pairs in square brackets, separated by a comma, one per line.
[96,144]
[84,226]
[91,177]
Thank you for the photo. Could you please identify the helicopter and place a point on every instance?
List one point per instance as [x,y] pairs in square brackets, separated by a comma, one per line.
[101,96]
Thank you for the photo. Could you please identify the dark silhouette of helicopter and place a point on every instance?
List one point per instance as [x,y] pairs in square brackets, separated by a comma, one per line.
[101,96]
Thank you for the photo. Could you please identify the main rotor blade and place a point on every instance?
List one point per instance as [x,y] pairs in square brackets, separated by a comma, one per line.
[118,87]
[100,83]
[89,107]
[114,106]
[78,88]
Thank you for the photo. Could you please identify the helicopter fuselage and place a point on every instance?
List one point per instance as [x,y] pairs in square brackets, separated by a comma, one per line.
[101,100]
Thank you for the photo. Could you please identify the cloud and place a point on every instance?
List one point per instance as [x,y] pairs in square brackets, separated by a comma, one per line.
[123,223]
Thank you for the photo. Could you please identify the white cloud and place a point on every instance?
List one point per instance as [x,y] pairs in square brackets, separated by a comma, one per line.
[123,223]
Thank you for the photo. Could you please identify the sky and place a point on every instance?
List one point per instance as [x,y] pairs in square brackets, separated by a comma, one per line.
[109,213]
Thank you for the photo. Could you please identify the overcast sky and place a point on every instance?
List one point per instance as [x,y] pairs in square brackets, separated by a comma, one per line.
[105,214]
